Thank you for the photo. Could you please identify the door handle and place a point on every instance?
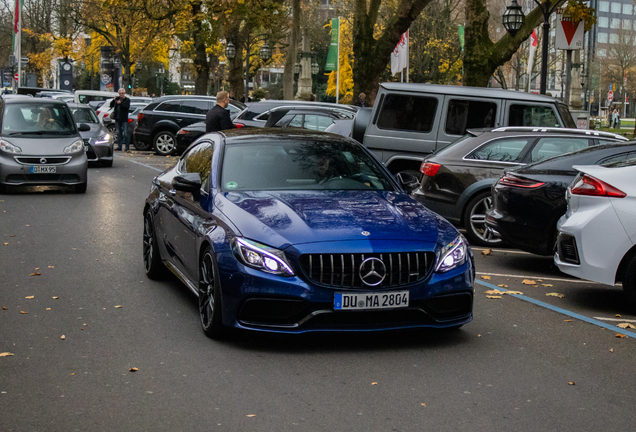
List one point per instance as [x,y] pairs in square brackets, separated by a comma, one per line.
[172,192]
[179,119]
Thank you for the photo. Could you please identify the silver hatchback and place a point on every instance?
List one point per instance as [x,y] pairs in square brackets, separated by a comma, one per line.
[40,144]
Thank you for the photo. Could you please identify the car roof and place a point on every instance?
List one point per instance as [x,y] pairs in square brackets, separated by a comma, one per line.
[526,130]
[33,101]
[262,106]
[466,91]
[78,105]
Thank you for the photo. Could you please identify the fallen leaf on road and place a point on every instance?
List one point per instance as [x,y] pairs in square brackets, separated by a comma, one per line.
[118,306]
[618,335]
[572,383]
[374,383]
[12,235]
[51,266]
[503,286]
[48,308]
[23,312]
[611,349]
[486,252]
[528,282]
[547,285]
[37,268]
[6,354]
[478,335]
[626,326]
[4,308]
[6,244]
[27,225]
[249,415]
[567,320]
[514,292]
[618,315]
[494,297]
[62,337]
[555,295]
[55,297]
[133,369]
[73,373]
[36,274]
[29,297]
[486,277]
[424,405]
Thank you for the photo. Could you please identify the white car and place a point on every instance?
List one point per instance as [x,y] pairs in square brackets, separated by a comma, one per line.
[597,234]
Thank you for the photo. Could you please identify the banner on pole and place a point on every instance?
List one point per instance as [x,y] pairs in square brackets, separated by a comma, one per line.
[399,56]
[460,33]
[533,47]
[332,56]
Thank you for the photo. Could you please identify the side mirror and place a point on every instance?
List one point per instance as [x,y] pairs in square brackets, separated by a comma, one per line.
[408,181]
[83,127]
[190,182]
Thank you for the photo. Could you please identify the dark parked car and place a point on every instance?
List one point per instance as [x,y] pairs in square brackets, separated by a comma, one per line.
[98,141]
[293,231]
[310,118]
[457,179]
[257,113]
[159,122]
[528,201]
[189,134]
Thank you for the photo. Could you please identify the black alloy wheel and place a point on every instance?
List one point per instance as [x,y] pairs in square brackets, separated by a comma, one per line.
[210,297]
[165,143]
[477,231]
[152,261]
[142,146]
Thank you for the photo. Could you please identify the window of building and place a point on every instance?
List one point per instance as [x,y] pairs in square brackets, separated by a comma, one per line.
[603,22]
[603,6]
[627,24]
[613,38]
[602,37]
[601,53]
[616,7]
[615,23]
[627,9]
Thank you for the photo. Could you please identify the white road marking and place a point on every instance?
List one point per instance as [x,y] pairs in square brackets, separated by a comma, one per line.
[539,277]
[615,319]
[502,250]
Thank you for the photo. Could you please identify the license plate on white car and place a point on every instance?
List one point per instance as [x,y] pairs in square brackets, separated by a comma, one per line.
[373,300]
[43,169]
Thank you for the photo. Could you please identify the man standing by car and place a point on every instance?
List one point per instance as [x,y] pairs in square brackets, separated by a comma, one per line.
[120,105]
[218,118]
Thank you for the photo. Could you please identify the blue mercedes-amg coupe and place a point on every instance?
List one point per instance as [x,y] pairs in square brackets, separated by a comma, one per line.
[293,231]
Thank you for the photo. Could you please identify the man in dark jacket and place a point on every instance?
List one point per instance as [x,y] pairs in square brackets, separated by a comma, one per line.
[218,118]
[120,105]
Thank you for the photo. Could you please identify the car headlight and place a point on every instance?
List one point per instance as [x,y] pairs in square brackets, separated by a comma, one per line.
[261,257]
[77,146]
[9,148]
[104,139]
[453,255]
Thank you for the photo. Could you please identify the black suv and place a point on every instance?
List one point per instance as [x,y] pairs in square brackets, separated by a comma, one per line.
[159,122]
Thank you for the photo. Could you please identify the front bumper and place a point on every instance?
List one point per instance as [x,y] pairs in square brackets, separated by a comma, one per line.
[69,169]
[98,152]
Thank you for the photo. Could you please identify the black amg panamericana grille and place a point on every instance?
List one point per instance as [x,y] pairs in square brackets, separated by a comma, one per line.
[343,270]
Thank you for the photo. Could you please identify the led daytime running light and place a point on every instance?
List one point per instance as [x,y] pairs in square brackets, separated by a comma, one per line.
[453,255]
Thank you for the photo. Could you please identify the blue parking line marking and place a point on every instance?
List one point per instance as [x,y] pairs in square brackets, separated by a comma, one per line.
[559,310]
[142,164]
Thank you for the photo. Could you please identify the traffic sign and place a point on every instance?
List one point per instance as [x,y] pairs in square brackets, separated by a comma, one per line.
[15,77]
[610,96]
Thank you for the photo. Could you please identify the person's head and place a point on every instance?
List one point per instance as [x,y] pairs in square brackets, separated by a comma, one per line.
[45,116]
[223,98]
[322,166]
[122,93]
[362,97]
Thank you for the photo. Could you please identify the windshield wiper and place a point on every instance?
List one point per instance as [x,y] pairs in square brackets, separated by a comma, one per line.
[27,133]
[58,132]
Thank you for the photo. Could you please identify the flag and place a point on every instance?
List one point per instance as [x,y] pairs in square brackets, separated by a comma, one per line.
[332,56]
[17,22]
[399,56]
[460,33]
[533,48]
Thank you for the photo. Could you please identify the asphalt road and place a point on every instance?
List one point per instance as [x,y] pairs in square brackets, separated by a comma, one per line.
[70,265]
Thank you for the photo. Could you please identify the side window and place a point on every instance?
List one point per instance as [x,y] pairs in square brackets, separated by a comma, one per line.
[502,150]
[296,122]
[617,158]
[566,116]
[199,160]
[169,106]
[468,114]
[284,120]
[550,147]
[532,115]
[317,122]
[407,113]
[194,107]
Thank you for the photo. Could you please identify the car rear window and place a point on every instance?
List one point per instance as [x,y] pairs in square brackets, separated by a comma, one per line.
[502,150]
[550,147]
[407,113]
[532,115]
[469,114]
[619,159]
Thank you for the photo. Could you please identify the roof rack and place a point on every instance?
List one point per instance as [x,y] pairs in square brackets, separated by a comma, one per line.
[587,132]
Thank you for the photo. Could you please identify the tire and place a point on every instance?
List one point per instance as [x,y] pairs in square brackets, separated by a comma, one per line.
[3,188]
[107,163]
[81,188]
[210,303]
[418,175]
[629,280]
[478,233]
[165,143]
[142,146]
[155,269]
[113,130]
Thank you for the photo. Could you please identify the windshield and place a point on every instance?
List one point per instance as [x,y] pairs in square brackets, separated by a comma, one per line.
[37,119]
[301,165]
[84,115]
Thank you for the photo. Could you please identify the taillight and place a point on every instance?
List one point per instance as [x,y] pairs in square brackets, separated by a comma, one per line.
[239,125]
[106,115]
[512,180]
[588,185]
[98,111]
[429,169]
[140,117]
[130,120]
[183,132]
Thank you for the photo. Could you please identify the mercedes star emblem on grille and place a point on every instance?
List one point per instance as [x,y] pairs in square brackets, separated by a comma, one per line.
[366,233]
[372,271]
[42,160]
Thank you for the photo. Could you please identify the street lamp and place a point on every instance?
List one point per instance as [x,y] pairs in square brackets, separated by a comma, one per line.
[297,68]
[547,7]
[315,68]
[230,51]
[265,54]
[513,19]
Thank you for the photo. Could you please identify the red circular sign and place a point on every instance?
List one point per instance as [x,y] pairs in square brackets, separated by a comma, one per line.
[15,76]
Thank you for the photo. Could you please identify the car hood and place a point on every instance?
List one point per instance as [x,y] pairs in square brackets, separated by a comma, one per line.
[96,130]
[43,145]
[281,218]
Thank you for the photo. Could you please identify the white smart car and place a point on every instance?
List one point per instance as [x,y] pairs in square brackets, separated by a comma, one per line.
[597,234]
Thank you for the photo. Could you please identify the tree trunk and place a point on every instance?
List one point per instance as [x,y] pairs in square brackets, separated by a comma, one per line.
[201,65]
[290,61]
[236,75]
